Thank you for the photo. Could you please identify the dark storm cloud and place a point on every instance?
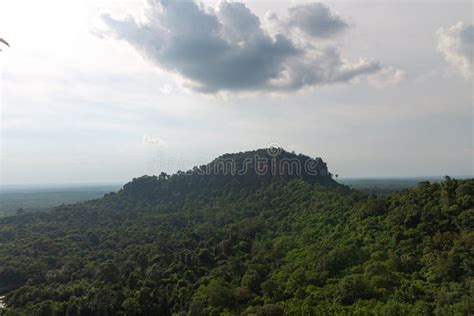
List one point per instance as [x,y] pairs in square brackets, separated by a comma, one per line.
[227,48]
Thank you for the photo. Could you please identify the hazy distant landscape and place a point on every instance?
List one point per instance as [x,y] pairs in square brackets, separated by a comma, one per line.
[386,185]
[44,197]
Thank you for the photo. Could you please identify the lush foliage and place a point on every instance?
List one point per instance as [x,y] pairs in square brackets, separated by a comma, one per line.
[209,245]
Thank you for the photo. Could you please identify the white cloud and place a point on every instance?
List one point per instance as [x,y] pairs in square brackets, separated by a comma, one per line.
[456,43]
[387,77]
[226,48]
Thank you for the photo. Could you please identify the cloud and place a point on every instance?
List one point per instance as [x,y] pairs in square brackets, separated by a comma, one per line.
[152,140]
[456,43]
[316,19]
[227,48]
[387,77]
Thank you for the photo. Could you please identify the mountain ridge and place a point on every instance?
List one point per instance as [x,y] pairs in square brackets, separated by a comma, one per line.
[247,171]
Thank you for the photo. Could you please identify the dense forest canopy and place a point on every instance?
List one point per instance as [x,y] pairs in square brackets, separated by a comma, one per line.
[216,242]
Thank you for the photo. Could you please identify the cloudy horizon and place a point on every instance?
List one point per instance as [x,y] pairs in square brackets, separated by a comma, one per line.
[100,91]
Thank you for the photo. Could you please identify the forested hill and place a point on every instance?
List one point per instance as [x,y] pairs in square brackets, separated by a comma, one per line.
[242,172]
[210,242]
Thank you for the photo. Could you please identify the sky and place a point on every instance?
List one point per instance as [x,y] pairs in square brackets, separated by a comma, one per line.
[105,91]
